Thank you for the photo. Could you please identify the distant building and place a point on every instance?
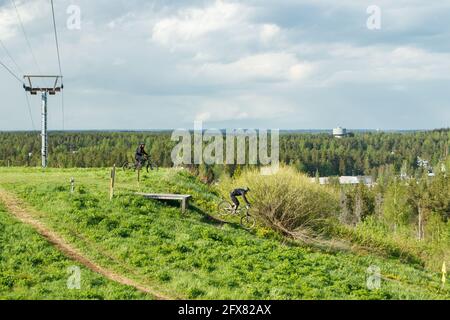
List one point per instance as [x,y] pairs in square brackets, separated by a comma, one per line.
[367,180]
[340,132]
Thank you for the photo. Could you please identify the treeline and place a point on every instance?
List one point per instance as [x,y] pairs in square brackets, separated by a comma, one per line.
[401,216]
[365,153]
[83,149]
[368,153]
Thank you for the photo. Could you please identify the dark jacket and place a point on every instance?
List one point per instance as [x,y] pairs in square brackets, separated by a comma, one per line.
[140,152]
[240,192]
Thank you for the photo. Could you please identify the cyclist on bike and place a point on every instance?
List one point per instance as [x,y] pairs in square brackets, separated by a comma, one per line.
[140,154]
[239,193]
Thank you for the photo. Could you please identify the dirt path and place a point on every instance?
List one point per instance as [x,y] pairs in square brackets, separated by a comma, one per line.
[18,209]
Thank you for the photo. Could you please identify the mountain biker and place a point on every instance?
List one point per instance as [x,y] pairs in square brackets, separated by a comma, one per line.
[140,154]
[236,193]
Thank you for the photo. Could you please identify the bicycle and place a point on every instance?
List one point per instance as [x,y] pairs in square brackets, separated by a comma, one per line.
[145,163]
[226,208]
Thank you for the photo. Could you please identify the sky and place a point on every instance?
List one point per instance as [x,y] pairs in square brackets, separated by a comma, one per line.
[291,64]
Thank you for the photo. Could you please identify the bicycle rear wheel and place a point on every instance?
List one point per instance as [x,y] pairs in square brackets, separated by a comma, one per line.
[126,166]
[248,221]
[224,208]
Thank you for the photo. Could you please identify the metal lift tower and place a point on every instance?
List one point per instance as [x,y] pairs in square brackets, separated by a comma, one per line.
[45,91]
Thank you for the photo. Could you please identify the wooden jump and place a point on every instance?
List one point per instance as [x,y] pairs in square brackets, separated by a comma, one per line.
[184,198]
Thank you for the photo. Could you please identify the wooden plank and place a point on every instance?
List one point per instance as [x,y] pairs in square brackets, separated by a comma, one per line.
[184,198]
[164,196]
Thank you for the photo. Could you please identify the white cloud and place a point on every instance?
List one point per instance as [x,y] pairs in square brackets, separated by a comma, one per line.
[123,20]
[269,32]
[383,64]
[193,23]
[219,31]
[271,66]
[243,107]
[223,45]
[7,24]
[29,12]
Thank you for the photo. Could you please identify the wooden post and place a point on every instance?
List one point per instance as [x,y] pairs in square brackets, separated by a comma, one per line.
[183,205]
[444,275]
[113,180]
[72,185]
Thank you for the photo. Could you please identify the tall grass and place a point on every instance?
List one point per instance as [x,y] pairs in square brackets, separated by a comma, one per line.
[288,202]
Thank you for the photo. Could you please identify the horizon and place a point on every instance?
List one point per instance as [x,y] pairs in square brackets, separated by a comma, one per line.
[350,130]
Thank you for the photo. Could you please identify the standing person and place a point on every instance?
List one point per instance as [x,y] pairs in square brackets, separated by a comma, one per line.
[140,154]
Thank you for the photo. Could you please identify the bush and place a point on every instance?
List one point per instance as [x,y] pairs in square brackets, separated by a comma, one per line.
[287,201]
[397,209]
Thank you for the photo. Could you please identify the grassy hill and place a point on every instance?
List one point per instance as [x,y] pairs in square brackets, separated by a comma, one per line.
[31,268]
[192,255]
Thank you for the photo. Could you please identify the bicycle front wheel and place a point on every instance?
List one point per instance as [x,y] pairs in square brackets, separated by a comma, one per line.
[224,208]
[248,222]
[153,166]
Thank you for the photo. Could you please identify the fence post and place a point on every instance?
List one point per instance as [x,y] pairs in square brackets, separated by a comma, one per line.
[444,275]
[72,185]
[113,180]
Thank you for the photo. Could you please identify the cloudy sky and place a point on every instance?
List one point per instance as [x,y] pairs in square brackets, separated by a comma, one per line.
[289,64]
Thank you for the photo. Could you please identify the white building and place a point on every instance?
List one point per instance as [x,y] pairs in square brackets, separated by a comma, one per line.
[339,132]
[367,180]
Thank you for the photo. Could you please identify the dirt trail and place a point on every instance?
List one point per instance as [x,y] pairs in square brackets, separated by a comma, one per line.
[18,209]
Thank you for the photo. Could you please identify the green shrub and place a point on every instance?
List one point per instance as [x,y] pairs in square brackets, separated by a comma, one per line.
[397,209]
[288,201]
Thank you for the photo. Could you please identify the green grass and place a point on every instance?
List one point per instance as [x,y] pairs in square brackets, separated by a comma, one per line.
[193,257]
[31,268]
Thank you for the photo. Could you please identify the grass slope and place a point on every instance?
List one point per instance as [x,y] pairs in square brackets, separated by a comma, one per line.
[192,256]
[31,268]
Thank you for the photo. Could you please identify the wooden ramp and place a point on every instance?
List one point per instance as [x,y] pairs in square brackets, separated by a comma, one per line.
[184,198]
